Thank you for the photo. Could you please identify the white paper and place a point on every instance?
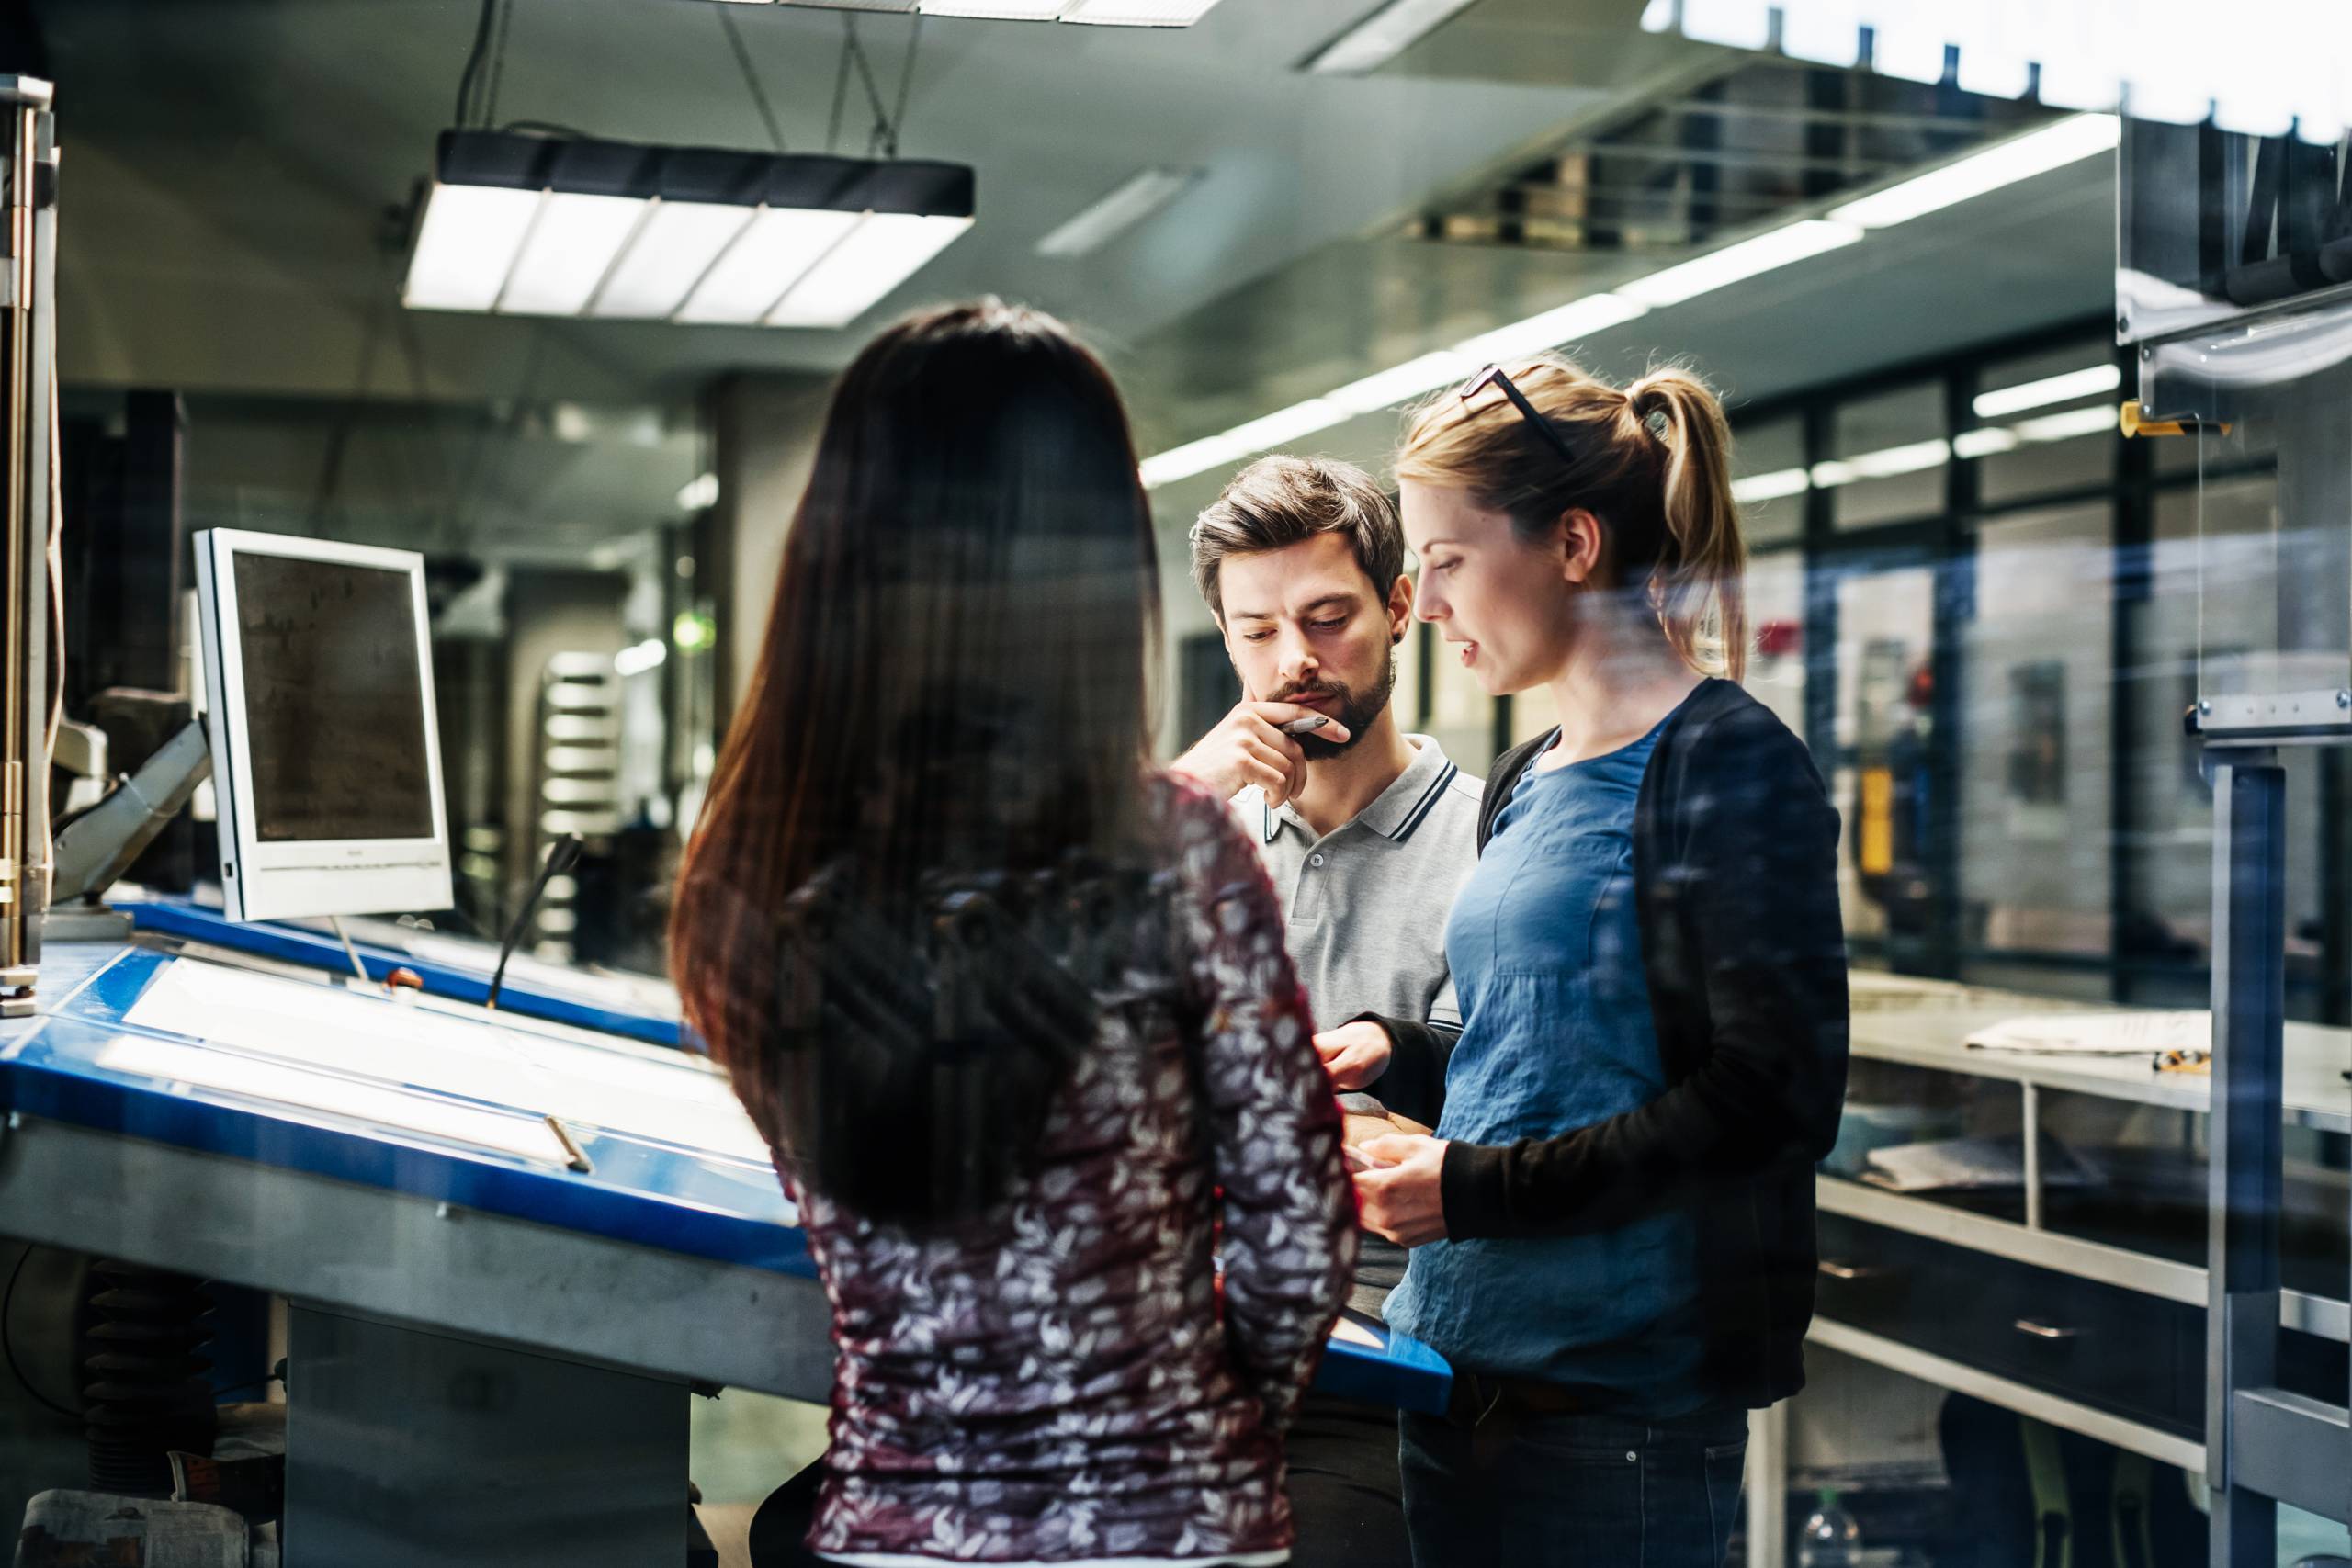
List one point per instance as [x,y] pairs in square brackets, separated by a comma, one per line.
[680,1100]
[524,1137]
[2139,1032]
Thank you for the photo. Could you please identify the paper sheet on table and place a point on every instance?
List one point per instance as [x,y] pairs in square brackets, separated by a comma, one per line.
[2140,1033]
[356,1034]
[249,1077]
[1949,1165]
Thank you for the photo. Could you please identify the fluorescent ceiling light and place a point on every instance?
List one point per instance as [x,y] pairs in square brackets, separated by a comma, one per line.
[465,246]
[1736,24]
[1570,323]
[698,493]
[772,253]
[1193,457]
[1285,425]
[1382,36]
[2068,425]
[1984,442]
[1775,486]
[1137,198]
[2036,152]
[1734,264]
[680,240]
[571,226]
[880,254]
[1399,383]
[999,10]
[638,658]
[2089,381]
[1139,13]
[572,246]
[1886,463]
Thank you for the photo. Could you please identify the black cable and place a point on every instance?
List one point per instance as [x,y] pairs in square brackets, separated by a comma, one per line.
[840,84]
[750,77]
[9,1349]
[498,61]
[873,93]
[561,857]
[906,81]
[473,60]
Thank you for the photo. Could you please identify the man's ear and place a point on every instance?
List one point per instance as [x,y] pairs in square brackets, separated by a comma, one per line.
[1400,609]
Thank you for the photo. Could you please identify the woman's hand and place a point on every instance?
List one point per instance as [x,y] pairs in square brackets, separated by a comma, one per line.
[1354,1053]
[1400,1196]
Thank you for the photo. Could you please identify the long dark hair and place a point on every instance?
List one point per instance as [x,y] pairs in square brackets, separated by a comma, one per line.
[945,733]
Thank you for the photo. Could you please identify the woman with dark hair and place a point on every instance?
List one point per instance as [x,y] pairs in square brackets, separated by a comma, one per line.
[1012,1009]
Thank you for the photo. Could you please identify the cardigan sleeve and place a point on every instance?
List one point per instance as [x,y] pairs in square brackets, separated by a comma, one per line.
[1757,951]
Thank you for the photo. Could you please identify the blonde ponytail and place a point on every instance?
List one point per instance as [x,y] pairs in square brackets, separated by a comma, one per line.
[1652,461]
[1699,586]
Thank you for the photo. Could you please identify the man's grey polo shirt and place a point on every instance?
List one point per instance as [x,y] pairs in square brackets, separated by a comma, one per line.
[1366,906]
[1367,902]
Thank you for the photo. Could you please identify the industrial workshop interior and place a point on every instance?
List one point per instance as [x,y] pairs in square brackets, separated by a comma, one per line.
[770,769]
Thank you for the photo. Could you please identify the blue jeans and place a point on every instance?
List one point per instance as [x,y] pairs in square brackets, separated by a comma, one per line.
[1572,1491]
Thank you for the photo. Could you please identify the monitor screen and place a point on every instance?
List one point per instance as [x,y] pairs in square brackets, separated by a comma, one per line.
[334,700]
[326,760]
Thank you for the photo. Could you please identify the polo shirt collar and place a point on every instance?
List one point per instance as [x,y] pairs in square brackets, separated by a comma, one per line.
[1395,811]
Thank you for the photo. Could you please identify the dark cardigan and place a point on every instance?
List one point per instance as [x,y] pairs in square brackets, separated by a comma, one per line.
[1735,889]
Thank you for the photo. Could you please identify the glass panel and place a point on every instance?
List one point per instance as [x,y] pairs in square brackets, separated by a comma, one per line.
[2044,423]
[1888,455]
[1885,624]
[2033,743]
[1768,478]
[1776,627]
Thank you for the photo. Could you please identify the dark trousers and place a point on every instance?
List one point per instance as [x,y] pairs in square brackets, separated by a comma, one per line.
[1571,1491]
[1343,1486]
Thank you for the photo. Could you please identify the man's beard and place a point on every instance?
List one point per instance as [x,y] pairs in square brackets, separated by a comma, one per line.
[1357,713]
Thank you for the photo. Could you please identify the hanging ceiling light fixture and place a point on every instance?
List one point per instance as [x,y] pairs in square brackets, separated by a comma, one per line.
[1098,13]
[571,226]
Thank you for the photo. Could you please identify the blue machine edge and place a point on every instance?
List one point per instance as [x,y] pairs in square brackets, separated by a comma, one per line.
[264,939]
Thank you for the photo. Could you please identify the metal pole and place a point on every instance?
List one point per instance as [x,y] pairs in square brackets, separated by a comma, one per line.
[2243,1131]
[25,371]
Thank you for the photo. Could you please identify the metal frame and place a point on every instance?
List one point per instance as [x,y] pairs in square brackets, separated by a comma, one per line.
[27,436]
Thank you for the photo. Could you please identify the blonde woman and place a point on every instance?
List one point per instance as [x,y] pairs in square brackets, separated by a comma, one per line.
[1613,1226]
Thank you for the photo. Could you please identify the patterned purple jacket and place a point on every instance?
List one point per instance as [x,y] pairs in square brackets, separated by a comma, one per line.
[1065,1382]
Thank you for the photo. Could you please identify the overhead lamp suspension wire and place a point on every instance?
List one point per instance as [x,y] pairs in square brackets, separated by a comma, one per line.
[750,77]
[498,61]
[482,26]
[906,81]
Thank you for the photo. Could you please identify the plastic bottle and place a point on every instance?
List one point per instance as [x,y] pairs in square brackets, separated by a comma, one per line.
[1830,1538]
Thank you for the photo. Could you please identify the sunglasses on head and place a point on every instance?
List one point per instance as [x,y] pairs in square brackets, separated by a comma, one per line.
[1493,376]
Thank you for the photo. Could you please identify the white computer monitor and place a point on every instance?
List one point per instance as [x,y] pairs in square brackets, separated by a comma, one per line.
[326,758]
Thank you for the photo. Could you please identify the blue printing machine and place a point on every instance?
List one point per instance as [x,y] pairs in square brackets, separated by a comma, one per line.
[696,1203]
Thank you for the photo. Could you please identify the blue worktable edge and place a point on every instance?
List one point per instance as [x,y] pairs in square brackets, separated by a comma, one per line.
[289,944]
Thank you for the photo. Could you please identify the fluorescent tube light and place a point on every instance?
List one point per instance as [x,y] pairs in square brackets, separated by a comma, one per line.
[1777,485]
[1139,13]
[1382,36]
[2089,381]
[1886,463]
[1736,24]
[465,246]
[1193,457]
[1137,198]
[2068,425]
[2036,152]
[864,269]
[572,246]
[1285,425]
[995,10]
[1575,320]
[1400,383]
[1984,442]
[638,658]
[1734,264]
[698,493]
[768,257]
[679,241]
